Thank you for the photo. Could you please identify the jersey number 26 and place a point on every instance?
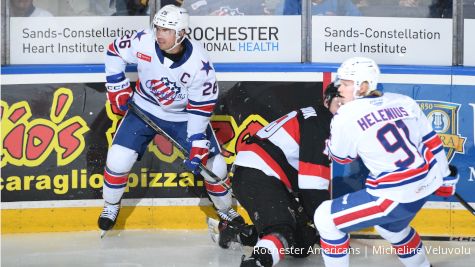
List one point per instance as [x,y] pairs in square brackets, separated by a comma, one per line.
[210,88]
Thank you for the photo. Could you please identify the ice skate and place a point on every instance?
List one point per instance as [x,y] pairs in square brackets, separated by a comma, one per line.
[250,262]
[230,215]
[230,224]
[230,229]
[108,217]
[259,260]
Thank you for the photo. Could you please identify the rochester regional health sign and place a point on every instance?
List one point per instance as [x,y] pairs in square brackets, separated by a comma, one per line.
[387,40]
[248,39]
[84,40]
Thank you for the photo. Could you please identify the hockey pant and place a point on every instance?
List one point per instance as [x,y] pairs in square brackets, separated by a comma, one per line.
[274,213]
[129,144]
[354,211]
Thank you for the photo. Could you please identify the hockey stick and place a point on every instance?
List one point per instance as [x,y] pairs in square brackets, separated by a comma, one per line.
[464,203]
[135,109]
[454,172]
[429,238]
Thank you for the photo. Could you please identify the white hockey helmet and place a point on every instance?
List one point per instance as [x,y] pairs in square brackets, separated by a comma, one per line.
[171,17]
[174,18]
[359,70]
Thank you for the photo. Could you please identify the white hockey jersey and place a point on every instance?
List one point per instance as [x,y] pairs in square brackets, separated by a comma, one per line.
[395,141]
[185,90]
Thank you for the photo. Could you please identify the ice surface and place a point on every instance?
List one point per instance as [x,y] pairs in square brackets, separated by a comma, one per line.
[134,248]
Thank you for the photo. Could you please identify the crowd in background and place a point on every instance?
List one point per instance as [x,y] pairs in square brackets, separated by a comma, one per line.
[383,8]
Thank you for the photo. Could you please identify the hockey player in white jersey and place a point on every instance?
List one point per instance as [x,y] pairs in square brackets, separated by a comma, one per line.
[404,155]
[177,89]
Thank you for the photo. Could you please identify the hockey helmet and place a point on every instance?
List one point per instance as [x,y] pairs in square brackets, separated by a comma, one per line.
[359,70]
[331,91]
[171,17]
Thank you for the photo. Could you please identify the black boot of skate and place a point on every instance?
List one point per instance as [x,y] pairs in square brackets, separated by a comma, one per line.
[108,217]
[263,259]
[230,225]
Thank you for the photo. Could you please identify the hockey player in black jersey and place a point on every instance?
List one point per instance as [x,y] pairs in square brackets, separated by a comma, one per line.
[281,175]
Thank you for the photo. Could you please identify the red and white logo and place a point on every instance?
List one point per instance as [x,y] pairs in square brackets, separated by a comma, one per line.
[164,90]
[144,57]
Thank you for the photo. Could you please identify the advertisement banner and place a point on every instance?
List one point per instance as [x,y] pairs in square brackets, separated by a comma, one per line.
[55,139]
[84,40]
[468,42]
[63,40]
[252,39]
[405,41]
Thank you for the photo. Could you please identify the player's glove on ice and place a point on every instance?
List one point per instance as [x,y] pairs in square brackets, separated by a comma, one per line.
[119,95]
[447,188]
[199,152]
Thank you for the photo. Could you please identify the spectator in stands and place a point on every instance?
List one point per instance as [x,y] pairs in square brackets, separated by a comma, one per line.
[274,7]
[469,9]
[443,9]
[361,3]
[171,2]
[412,9]
[86,8]
[323,8]
[109,7]
[440,9]
[131,8]
[394,8]
[409,3]
[226,7]
[25,8]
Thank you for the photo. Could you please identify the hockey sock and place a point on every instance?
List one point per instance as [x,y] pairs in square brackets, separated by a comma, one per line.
[114,185]
[220,196]
[119,163]
[274,244]
[335,252]
[335,243]
[407,245]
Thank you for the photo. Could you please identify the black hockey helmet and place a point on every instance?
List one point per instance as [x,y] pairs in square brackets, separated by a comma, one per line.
[330,92]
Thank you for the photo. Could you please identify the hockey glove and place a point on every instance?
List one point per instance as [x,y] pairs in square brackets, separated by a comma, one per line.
[447,189]
[119,95]
[199,152]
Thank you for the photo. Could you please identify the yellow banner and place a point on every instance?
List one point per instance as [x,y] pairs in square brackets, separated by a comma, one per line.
[453,141]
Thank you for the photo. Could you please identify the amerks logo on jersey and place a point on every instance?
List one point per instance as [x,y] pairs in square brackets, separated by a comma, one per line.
[164,90]
[444,119]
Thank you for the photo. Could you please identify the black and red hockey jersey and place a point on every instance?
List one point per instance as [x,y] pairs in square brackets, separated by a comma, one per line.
[291,149]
